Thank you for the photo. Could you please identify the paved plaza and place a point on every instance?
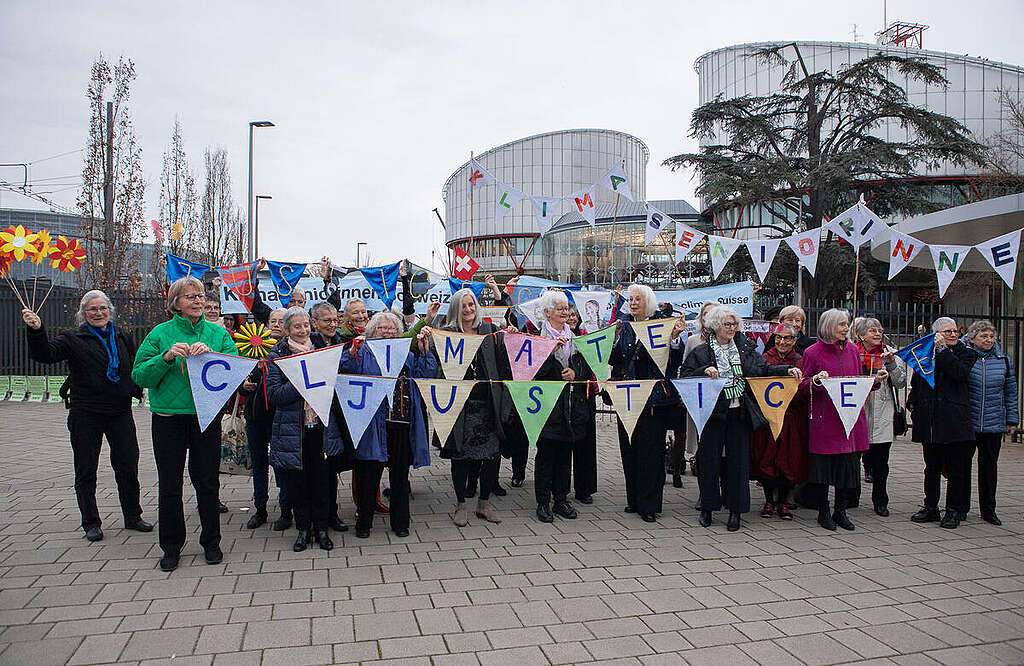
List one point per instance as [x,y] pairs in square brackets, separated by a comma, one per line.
[604,587]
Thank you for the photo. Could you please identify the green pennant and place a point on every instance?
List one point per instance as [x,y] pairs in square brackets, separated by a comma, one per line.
[596,349]
[534,402]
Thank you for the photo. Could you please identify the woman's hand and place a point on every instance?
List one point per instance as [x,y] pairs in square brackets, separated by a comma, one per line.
[262,265]
[358,341]
[1011,429]
[568,374]
[432,310]
[248,385]
[423,339]
[679,327]
[795,372]
[403,269]
[31,319]
[511,329]
[561,342]
[325,267]
[711,371]
[881,376]
[888,356]
[818,377]
[198,348]
[177,350]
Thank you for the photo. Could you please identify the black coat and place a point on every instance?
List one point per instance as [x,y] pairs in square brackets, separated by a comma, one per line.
[570,417]
[87,382]
[630,360]
[943,414]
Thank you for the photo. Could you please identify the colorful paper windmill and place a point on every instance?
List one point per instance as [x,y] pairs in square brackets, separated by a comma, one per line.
[66,255]
[254,340]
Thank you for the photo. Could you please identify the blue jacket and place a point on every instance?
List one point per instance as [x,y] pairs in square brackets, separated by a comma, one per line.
[993,391]
[374,443]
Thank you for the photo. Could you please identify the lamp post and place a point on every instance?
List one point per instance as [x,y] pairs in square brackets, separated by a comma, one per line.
[358,245]
[248,216]
[256,225]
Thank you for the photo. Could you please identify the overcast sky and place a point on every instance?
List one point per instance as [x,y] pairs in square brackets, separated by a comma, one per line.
[375,106]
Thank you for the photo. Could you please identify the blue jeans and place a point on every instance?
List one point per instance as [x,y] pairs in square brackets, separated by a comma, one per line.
[258,436]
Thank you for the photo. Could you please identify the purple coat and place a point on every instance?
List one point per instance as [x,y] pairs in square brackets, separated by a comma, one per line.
[827,435]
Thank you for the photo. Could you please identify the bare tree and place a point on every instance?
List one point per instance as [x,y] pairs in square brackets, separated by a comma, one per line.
[1007,155]
[179,215]
[220,219]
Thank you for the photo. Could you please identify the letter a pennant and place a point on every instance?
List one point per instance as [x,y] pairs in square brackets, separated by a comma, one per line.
[721,248]
[444,400]
[629,397]
[313,375]
[654,335]
[848,395]
[390,354]
[774,395]
[455,351]
[1001,254]
[948,260]
[505,197]
[214,378]
[360,397]
[615,180]
[700,395]
[595,348]
[902,250]
[534,402]
[526,353]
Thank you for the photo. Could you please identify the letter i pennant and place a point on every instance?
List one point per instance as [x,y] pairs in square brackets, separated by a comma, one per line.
[534,402]
[699,395]
[313,375]
[629,397]
[360,397]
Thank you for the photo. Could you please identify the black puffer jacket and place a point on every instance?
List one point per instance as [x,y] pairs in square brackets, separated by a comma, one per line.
[943,414]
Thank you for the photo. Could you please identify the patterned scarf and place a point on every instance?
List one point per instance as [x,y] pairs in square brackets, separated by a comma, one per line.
[871,362]
[308,414]
[565,351]
[727,360]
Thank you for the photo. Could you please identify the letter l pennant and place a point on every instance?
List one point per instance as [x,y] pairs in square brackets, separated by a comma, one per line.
[214,378]
[313,375]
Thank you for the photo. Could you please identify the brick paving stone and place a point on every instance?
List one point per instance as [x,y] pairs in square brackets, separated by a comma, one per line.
[160,643]
[220,638]
[385,625]
[276,633]
[99,649]
[523,656]
[483,618]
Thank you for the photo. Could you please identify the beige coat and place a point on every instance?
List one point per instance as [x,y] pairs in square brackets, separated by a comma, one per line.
[879,407]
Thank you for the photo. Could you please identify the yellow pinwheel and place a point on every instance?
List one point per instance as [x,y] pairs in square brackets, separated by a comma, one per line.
[254,340]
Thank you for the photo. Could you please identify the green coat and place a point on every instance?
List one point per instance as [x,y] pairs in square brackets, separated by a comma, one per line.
[169,389]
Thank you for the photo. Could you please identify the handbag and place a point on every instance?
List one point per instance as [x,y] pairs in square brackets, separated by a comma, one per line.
[899,414]
[234,445]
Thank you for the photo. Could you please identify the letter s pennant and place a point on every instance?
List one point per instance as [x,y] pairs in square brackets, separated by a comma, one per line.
[313,375]
[214,378]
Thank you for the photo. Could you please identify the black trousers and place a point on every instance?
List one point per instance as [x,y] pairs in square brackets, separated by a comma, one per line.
[730,435]
[552,470]
[643,459]
[399,460]
[988,445]
[955,458]
[258,436]
[776,490]
[465,472]
[175,436]
[584,463]
[87,430]
[876,461]
[816,496]
[308,487]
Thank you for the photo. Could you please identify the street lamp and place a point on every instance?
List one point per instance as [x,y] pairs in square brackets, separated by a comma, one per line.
[360,243]
[248,216]
[256,224]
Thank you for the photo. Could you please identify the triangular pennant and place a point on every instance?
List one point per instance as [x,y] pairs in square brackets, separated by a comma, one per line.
[360,397]
[313,375]
[596,348]
[285,277]
[178,268]
[477,287]
[455,351]
[805,246]
[505,197]
[845,224]
[699,395]
[762,253]
[948,260]
[869,225]
[390,354]
[774,395]
[214,378]
[534,402]
[629,397]
[687,238]
[656,223]
[384,280]
[920,357]
[1001,254]
[444,400]
[238,279]
[654,335]
[902,250]
[477,176]
[545,212]
[584,203]
[526,353]
[616,180]
[848,395]
[721,248]
[531,310]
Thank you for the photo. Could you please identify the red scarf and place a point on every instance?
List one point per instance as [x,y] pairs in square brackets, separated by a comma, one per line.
[871,362]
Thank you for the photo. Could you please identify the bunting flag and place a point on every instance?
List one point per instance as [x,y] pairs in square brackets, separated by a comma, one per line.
[629,397]
[920,357]
[774,395]
[360,397]
[384,280]
[531,310]
[721,249]
[238,279]
[856,225]
[285,277]
[476,287]
[534,402]
[620,308]
[478,177]
[699,395]
[455,351]
[444,399]
[596,348]
[214,378]
[583,202]
[848,395]
[526,353]
[615,180]
[654,335]
[390,354]
[313,375]
[903,249]
[545,211]
[505,197]
[762,253]
[178,268]
[1001,253]
[805,246]
[687,238]
[948,260]
[656,223]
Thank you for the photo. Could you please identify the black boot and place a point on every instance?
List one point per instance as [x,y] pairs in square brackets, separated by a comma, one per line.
[951,520]
[825,520]
[257,519]
[705,518]
[284,522]
[734,521]
[840,518]
[302,540]
[323,540]
[677,481]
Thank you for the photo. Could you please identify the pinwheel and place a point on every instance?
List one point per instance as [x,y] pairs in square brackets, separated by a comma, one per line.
[67,255]
[18,241]
[254,340]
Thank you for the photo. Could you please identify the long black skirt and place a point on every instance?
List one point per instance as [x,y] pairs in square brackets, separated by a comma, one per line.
[841,470]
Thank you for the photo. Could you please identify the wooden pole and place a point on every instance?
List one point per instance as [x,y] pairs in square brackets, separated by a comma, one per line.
[856,274]
[611,247]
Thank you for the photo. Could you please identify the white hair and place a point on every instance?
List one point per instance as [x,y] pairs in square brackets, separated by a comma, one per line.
[551,299]
[291,313]
[375,321]
[717,315]
[90,295]
[829,321]
[941,321]
[650,300]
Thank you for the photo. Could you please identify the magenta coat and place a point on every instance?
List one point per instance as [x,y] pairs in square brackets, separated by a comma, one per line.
[826,433]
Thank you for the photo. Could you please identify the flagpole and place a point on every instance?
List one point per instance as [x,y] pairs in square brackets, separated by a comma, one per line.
[611,249]
[470,201]
[856,274]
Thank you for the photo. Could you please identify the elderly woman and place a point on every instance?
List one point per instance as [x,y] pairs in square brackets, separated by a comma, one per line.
[795,316]
[780,463]
[397,434]
[565,432]
[99,357]
[835,458]
[994,410]
[475,441]
[880,406]
[159,366]
[942,425]
[300,444]
[643,457]
[736,415]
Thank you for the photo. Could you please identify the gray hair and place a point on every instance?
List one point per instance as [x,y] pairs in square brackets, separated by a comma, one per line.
[938,323]
[174,292]
[291,313]
[317,310]
[650,300]
[276,310]
[455,308]
[90,295]
[829,321]
[864,324]
[551,299]
[717,315]
[786,328]
[979,326]
[375,320]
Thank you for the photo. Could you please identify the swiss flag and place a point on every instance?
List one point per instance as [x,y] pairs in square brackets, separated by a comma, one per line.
[465,267]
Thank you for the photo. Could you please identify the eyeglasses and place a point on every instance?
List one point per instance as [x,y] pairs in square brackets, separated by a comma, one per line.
[949,331]
[98,309]
[561,308]
[785,337]
[328,322]
[729,324]
[193,297]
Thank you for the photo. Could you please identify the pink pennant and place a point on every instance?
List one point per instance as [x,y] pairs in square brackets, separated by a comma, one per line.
[526,353]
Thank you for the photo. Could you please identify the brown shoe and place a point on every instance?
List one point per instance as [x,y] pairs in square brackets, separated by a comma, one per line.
[461,517]
[486,511]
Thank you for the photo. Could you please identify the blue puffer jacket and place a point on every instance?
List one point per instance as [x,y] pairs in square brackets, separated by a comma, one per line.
[993,391]
[286,432]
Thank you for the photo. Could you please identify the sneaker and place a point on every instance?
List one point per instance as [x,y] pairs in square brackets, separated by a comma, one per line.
[784,512]
[768,510]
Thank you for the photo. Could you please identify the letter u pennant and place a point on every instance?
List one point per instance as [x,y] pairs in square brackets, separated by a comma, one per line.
[214,378]
[629,397]
[774,395]
[534,402]
[360,398]
[444,399]
[313,375]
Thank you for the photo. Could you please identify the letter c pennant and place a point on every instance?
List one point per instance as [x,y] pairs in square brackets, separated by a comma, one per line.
[214,378]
